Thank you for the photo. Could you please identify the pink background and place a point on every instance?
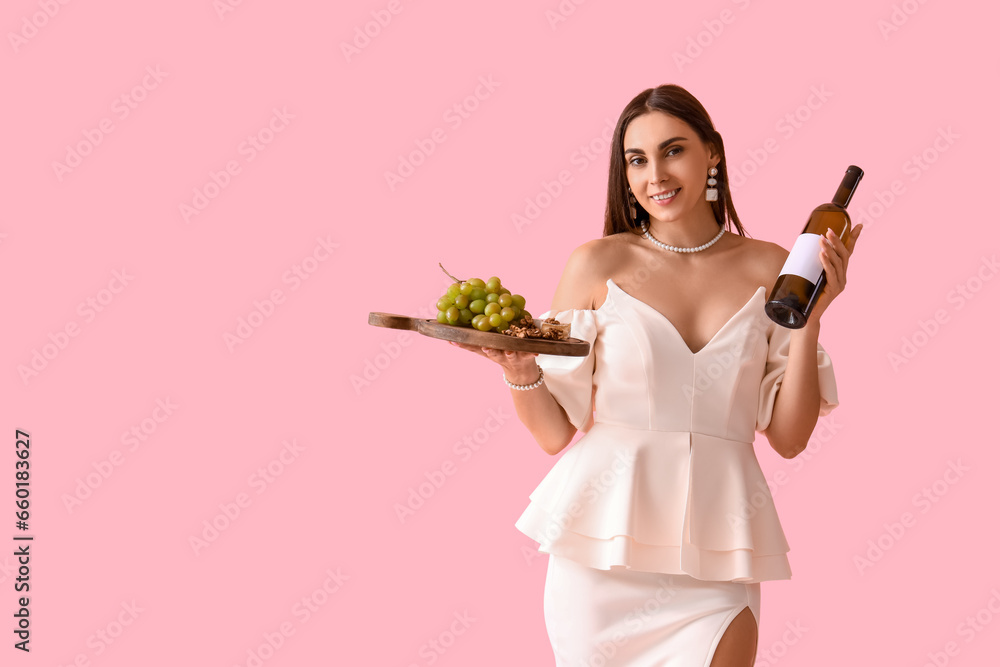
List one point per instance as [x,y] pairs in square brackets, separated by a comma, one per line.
[888,82]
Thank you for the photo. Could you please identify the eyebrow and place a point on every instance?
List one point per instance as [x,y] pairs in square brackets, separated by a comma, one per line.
[660,147]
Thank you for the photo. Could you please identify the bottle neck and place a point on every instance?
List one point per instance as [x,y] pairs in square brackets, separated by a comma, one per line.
[847,186]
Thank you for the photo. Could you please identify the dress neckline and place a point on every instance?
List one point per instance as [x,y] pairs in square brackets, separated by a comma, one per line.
[666,319]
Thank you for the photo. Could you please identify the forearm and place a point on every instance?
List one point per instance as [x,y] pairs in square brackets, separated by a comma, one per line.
[796,406]
[541,414]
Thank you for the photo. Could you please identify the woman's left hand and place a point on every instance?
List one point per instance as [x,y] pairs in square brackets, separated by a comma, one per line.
[834,255]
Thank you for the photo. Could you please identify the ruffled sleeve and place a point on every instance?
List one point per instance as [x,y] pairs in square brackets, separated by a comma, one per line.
[779,341]
[570,380]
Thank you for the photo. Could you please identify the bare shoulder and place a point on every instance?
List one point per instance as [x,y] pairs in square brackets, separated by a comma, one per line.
[586,270]
[600,254]
[764,258]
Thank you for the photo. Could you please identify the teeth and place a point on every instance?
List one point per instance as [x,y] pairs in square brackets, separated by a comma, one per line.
[666,196]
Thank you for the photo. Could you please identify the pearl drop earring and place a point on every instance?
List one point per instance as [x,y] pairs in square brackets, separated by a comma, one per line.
[711,194]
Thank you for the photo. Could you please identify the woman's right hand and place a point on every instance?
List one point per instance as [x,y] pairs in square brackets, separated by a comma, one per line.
[518,367]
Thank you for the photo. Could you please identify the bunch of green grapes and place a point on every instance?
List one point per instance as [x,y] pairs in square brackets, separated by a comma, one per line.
[484,305]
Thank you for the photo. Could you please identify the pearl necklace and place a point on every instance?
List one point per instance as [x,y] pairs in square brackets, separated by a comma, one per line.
[645,232]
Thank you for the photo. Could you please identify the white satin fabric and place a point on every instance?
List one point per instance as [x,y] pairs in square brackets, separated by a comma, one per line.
[666,480]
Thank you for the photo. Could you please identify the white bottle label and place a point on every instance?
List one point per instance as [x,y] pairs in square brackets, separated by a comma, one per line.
[803,259]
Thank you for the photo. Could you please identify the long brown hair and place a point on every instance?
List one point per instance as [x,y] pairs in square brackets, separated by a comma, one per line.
[681,104]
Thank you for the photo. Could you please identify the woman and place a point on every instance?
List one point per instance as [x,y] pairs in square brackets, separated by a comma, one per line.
[658,522]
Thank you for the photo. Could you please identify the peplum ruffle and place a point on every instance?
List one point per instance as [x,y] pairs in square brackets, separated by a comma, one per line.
[665,478]
[669,501]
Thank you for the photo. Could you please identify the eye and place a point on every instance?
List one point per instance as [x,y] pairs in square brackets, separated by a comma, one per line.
[675,150]
[632,161]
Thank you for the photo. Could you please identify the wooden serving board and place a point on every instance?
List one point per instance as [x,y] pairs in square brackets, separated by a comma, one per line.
[571,347]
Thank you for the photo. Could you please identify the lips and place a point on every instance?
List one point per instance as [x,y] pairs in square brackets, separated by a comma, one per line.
[666,195]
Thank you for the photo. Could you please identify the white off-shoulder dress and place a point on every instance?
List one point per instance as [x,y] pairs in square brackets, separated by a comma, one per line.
[658,520]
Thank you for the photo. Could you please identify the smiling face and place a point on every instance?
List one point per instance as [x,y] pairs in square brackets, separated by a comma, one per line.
[666,165]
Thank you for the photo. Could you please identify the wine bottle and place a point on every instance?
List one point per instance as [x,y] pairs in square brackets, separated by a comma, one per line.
[802,277]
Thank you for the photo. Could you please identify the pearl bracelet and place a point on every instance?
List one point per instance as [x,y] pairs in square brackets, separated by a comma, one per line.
[526,387]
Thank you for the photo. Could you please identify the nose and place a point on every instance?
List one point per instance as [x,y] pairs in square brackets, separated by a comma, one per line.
[657,172]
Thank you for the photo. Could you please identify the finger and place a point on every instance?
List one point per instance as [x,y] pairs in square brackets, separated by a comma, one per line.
[853,238]
[834,241]
[514,360]
[486,351]
[516,357]
[843,255]
[833,268]
[835,248]
[496,354]
[470,348]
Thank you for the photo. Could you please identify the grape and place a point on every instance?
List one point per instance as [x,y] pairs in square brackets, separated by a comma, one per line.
[485,305]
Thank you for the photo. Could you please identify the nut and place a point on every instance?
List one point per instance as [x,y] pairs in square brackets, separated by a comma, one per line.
[526,329]
[558,330]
